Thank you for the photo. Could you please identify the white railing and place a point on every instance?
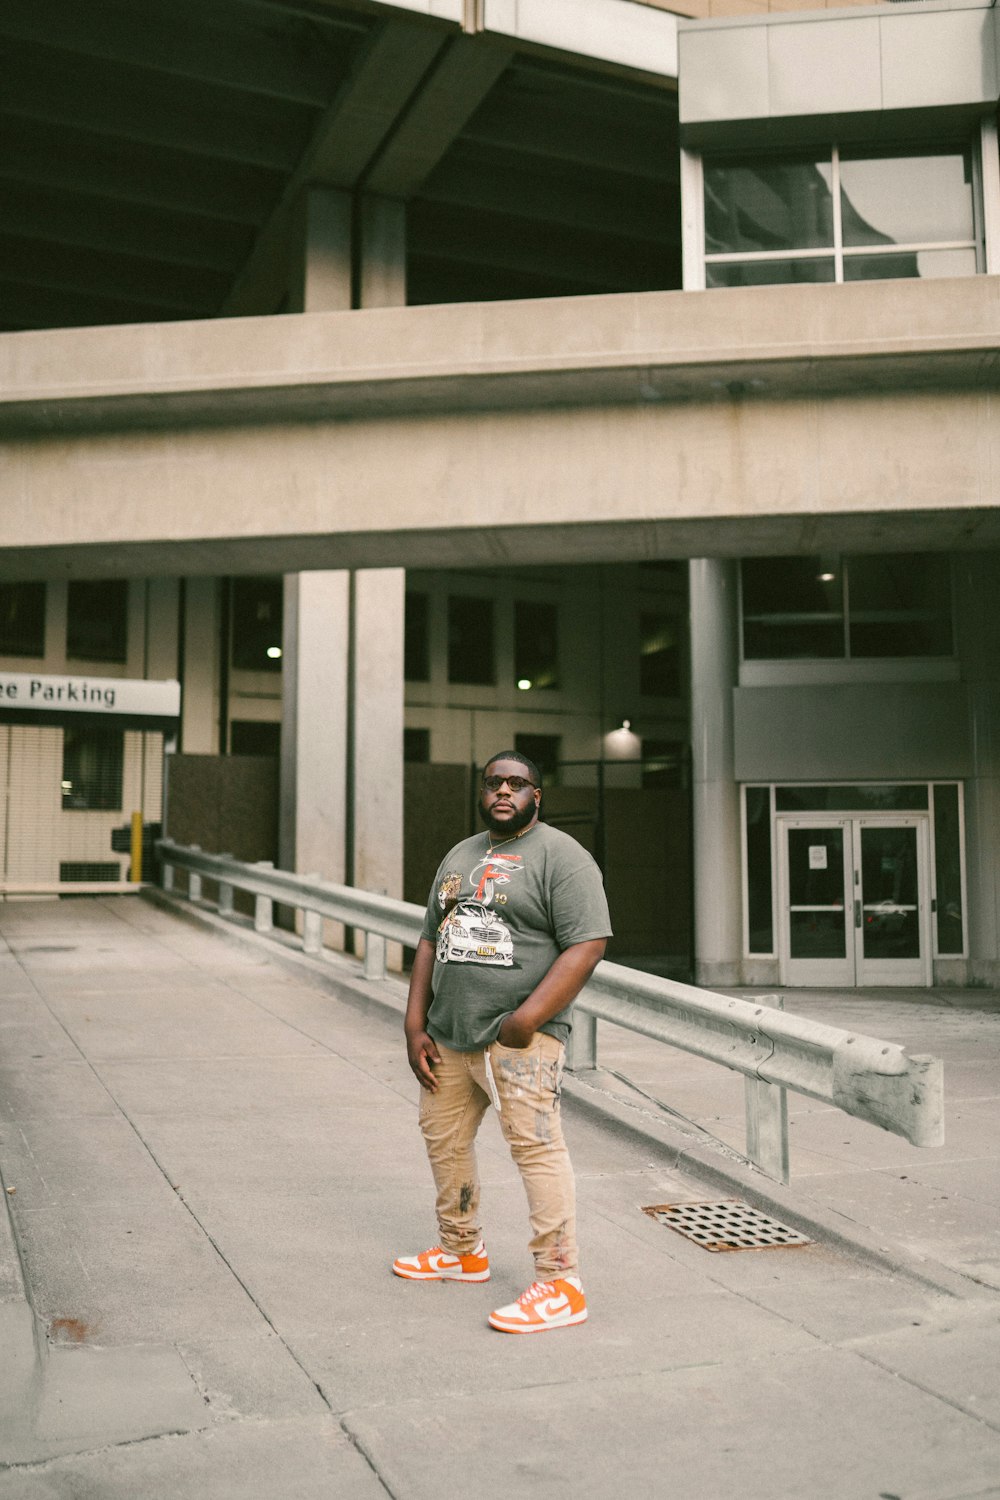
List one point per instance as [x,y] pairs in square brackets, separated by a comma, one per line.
[774,1050]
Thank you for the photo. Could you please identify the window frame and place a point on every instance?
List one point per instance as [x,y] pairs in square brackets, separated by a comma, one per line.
[837,252]
[35,592]
[100,735]
[117,590]
[846,658]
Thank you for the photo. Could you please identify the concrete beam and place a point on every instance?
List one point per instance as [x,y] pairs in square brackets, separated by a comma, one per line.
[869,338]
[661,424]
[466,72]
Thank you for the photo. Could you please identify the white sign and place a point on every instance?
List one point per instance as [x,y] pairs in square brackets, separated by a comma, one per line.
[817,856]
[90,695]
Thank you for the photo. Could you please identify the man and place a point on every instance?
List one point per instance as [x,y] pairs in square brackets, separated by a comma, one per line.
[516,921]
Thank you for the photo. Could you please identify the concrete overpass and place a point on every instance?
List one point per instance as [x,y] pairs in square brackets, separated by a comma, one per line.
[658,424]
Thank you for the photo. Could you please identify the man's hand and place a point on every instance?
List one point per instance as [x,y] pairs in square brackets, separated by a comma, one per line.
[422,1053]
[514,1032]
[421,1050]
[559,987]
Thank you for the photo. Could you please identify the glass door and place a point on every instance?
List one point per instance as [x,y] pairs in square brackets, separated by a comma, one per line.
[890,931]
[854,901]
[817,943]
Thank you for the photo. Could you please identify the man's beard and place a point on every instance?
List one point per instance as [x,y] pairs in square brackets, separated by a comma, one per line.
[514,824]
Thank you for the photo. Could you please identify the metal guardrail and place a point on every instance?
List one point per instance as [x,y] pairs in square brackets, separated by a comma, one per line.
[872,1080]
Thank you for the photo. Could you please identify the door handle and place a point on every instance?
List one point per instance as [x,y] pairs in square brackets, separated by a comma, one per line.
[857,913]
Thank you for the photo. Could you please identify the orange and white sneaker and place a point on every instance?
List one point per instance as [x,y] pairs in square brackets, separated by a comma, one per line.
[545,1305]
[437,1264]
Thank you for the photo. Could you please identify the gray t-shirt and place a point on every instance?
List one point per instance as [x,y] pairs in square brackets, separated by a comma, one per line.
[499,921]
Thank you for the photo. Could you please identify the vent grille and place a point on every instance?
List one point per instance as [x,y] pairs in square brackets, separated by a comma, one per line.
[727,1225]
[84,870]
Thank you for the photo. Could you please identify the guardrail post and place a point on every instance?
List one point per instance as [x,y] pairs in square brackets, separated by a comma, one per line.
[224,904]
[168,878]
[374,956]
[312,932]
[194,879]
[767,1116]
[581,1051]
[263,906]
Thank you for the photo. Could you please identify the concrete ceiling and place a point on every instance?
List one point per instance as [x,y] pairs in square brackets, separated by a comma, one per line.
[148,150]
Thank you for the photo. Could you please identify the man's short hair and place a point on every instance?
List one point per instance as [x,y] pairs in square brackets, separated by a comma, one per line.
[534,773]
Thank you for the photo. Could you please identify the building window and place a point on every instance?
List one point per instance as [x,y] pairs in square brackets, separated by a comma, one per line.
[948,869]
[757,855]
[900,797]
[92,768]
[22,619]
[257,620]
[659,656]
[545,750]
[416,638]
[471,646]
[536,645]
[97,619]
[896,605]
[840,215]
[254,737]
[417,746]
[899,606]
[664,764]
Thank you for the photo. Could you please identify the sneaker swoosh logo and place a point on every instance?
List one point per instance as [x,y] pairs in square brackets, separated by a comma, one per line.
[442,1262]
[550,1306]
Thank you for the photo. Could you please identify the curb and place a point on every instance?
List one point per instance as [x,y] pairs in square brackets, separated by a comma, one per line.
[698,1156]
[12,1283]
[692,1153]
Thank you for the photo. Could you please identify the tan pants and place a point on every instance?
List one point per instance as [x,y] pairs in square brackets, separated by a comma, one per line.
[526,1084]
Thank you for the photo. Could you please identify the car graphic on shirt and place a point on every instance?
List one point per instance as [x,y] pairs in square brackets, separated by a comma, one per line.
[472,934]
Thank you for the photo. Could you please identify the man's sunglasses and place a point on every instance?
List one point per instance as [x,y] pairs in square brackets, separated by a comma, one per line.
[516,783]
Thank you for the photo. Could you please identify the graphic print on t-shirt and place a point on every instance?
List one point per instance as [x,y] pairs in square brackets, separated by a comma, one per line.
[471,932]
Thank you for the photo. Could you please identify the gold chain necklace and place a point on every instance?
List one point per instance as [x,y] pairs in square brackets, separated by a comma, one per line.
[519,835]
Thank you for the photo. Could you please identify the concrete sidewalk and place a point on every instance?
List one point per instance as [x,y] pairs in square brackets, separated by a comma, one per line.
[214,1155]
[927,1208]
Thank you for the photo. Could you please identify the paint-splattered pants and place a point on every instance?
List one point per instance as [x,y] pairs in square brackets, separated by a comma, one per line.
[527,1083]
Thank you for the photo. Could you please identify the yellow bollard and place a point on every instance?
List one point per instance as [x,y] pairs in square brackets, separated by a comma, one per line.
[136,872]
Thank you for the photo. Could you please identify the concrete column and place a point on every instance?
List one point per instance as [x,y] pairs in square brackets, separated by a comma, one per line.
[315,653]
[160,663]
[714,666]
[161,628]
[320,279]
[977,588]
[383,252]
[378,729]
[56,612]
[200,719]
[377,637]
[342,716]
[314,725]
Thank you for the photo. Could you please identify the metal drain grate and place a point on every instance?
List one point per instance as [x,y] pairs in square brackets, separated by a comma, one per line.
[729,1225]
